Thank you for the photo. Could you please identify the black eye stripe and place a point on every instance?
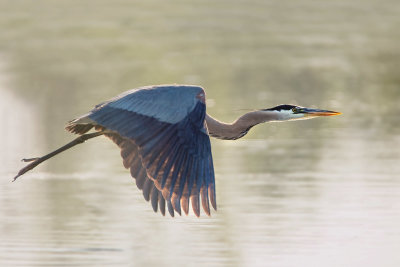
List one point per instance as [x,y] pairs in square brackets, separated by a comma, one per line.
[281,107]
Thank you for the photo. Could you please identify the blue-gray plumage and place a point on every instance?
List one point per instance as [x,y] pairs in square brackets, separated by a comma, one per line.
[163,132]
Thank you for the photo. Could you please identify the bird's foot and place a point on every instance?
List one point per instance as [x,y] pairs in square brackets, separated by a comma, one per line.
[33,163]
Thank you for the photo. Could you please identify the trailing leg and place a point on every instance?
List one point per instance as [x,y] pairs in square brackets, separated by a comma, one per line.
[37,161]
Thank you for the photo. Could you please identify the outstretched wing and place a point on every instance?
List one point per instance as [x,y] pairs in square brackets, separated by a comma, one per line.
[165,127]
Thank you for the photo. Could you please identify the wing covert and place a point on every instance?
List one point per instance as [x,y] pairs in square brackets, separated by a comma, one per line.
[166,103]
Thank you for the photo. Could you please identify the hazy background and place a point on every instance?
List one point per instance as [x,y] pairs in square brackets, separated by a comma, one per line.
[324,192]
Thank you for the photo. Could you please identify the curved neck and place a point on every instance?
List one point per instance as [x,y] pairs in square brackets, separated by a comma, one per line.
[240,127]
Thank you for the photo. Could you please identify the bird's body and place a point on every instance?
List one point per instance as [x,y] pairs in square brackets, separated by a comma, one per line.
[163,132]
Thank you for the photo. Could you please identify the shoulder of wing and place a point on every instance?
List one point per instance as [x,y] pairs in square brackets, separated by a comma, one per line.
[167,103]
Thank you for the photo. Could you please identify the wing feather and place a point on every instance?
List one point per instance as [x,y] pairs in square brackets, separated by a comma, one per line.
[204,200]
[170,208]
[164,142]
[148,185]
[141,179]
[195,204]
[161,203]
[154,197]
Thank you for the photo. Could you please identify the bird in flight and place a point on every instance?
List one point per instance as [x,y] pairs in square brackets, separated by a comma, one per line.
[164,134]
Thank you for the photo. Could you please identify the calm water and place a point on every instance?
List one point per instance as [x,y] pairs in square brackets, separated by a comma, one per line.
[324,192]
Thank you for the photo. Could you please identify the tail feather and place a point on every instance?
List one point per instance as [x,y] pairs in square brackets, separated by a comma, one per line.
[80,125]
[78,128]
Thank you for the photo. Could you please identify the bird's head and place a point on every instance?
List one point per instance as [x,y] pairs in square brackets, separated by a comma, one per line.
[292,112]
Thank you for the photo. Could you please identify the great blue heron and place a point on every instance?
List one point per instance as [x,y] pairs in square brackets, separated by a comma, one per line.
[163,132]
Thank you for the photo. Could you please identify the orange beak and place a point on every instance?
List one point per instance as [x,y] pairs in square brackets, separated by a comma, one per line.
[318,112]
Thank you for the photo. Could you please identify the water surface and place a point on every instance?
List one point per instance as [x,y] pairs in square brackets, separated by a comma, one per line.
[322,192]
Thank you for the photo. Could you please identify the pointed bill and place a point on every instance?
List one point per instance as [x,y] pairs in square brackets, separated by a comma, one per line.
[319,112]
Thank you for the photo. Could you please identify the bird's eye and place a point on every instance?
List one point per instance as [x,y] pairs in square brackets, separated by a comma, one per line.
[294,110]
